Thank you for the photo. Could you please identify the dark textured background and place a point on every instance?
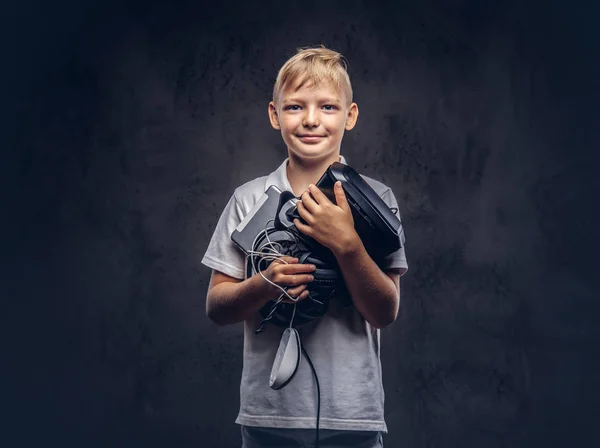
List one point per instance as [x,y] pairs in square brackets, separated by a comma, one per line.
[126,127]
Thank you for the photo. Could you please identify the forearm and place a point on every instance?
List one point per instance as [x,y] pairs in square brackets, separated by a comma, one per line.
[374,293]
[229,303]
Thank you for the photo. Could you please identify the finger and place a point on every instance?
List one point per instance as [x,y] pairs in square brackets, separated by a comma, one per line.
[296,279]
[307,230]
[297,268]
[299,298]
[286,260]
[308,201]
[319,196]
[305,213]
[295,293]
[296,290]
[340,196]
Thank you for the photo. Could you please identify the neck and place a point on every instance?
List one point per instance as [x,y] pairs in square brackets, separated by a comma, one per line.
[302,172]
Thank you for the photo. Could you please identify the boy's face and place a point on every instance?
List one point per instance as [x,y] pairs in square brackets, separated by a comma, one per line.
[313,120]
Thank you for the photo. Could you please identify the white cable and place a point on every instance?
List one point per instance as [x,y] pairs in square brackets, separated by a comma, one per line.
[269,256]
[293,314]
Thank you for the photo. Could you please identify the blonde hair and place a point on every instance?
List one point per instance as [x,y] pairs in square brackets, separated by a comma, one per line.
[312,66]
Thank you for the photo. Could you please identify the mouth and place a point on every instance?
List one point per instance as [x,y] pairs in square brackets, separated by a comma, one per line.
[310,138]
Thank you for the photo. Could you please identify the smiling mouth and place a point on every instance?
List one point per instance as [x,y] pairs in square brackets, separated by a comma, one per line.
[310,138]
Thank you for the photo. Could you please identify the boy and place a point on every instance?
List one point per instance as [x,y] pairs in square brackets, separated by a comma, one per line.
[312,107]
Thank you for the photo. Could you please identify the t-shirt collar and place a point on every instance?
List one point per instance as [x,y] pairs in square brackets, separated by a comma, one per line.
[279,176]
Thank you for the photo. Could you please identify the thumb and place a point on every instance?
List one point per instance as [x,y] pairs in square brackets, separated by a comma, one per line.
[340,196]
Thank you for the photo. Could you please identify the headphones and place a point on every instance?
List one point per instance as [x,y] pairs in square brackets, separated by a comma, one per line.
[327,279]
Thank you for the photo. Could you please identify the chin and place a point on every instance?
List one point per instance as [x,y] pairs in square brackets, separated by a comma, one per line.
[307,154]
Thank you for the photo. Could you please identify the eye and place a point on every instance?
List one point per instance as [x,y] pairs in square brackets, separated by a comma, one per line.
[292,107]
[330,107]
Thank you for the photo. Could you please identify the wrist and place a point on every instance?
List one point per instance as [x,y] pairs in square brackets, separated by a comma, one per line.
[265,291]
[349,246]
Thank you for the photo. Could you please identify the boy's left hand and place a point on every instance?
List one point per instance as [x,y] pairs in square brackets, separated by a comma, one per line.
[330,224]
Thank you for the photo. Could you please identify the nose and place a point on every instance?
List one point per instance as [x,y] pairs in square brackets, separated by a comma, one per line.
[311,117]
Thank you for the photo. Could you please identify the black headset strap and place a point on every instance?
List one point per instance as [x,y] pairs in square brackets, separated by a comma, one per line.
[283,198]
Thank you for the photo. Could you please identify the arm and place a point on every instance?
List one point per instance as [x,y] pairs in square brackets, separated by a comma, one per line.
[230,300]
[376,294]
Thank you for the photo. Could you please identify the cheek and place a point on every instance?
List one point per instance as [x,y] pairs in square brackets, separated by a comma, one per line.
[287,132]
[336,126]
[289,124]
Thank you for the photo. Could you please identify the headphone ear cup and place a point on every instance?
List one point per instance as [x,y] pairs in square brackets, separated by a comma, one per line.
[308,259]
[313,312]
[306,310]
[325,274]
[305,258]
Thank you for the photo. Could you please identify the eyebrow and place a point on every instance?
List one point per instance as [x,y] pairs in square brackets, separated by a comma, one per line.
[322,100]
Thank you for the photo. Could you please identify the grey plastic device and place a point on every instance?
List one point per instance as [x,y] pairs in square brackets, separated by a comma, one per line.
[257,219]
[287,359]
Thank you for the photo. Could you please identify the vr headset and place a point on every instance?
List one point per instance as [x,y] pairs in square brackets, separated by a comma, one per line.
[377,225]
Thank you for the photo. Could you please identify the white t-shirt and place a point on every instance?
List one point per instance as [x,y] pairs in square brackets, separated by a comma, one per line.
[343,347]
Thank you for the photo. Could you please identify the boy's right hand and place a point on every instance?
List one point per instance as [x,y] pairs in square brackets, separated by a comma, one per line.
[293,275]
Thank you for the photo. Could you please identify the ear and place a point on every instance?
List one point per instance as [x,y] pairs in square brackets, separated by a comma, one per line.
[352,116]
[273,117]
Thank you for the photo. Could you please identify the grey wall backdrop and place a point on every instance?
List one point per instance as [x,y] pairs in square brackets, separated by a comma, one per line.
[127,126]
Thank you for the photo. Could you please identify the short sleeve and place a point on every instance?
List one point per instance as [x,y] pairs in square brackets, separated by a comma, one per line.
[395,260]
[222,254]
